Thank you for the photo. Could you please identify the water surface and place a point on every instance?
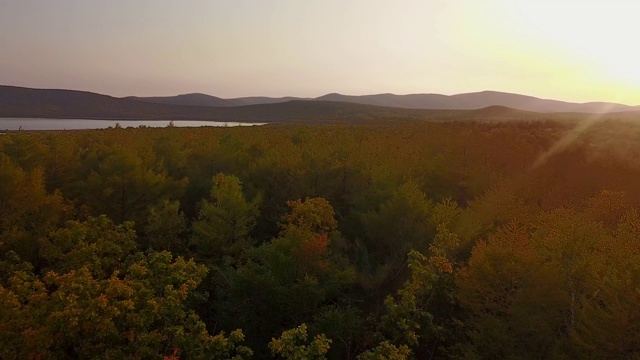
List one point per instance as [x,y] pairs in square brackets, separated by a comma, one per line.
[80,124]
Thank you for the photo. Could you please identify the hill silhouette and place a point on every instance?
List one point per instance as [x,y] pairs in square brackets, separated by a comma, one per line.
[197,99]
[478,100]
[194,99]
[501,112]
[467,101]
[46,103]
[53,103]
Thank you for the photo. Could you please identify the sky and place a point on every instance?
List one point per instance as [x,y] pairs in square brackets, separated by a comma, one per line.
[562,49]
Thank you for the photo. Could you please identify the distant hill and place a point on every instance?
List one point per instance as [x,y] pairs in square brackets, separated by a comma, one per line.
[52,103]
[186,99]
[208,100]
[255,100]
[478,100]
[468,101]
[26,102]
[500,112]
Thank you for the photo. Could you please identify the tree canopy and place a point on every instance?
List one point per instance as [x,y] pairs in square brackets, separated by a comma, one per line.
[438,240]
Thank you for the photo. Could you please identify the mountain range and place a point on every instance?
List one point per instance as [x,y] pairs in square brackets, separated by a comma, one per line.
[53,103]
[197,99]
[467,101]
[332,108]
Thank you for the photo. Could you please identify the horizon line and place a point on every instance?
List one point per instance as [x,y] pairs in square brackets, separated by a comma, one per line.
[326,94]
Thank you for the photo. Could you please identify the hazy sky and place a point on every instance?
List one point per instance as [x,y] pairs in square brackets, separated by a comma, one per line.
[565,49]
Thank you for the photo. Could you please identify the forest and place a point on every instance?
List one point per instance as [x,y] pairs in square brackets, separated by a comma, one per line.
[415,240]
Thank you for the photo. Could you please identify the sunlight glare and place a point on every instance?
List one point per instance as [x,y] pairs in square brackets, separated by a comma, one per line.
[599,34]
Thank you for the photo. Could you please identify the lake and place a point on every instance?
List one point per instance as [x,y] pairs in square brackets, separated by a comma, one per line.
[79,124]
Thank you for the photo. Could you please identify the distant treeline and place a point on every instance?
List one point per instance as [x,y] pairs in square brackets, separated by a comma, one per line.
[480,240]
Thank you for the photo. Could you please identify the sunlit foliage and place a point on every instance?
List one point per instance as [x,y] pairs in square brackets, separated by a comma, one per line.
[434,240]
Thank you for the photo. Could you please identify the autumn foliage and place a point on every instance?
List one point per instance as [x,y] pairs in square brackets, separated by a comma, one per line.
[462,240]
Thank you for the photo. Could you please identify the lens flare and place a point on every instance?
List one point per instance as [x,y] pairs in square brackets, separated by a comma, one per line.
[572,136]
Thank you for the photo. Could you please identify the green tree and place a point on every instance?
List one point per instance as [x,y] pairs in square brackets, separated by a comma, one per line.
[294,344]
[165,227]
[346,325]
[607,320]
[27,211]
[224,224]
[515,302]
[96,244]
[399,224]
[171,156]
[386,351]
[311,216]
[135,313]
[26,150]
[288,280]
[418,316]
[130,185]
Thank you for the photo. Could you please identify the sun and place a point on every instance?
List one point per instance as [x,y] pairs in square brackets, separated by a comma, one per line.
[599,36]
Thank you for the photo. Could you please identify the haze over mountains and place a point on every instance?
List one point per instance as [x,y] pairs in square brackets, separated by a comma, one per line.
[332,108]
[63,104]
[468,101]
[197,99]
